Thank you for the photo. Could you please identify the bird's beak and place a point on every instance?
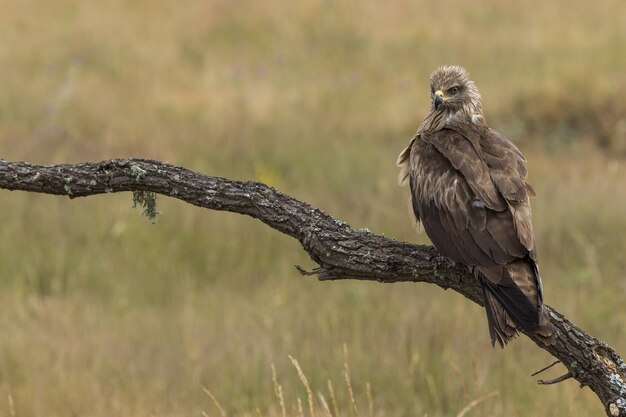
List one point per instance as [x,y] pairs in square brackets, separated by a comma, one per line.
[438,99]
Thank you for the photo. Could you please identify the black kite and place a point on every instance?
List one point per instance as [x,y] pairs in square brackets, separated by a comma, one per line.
[469,190]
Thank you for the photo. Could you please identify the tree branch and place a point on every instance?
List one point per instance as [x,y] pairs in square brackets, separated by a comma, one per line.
[341,252]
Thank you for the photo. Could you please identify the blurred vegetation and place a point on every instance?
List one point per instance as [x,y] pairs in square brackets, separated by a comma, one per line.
[105,314]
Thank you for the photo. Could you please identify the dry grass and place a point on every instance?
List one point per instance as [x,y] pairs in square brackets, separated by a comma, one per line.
[104,314]
[321,408]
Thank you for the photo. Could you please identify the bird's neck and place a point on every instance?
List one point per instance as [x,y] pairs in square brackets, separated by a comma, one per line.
[438,119]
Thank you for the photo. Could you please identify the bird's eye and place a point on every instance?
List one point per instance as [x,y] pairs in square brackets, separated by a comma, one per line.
[454,90]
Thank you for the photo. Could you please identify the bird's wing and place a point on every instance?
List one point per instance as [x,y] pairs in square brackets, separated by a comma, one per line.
[449,177]
[459,204]
[464,157]
[507,168]
[403,162]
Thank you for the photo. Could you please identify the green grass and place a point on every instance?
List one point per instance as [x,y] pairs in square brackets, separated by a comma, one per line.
[105,314]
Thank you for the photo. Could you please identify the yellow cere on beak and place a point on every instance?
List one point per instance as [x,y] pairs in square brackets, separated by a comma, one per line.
[438,99]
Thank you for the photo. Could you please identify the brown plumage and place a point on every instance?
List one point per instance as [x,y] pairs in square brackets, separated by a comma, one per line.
[469,190]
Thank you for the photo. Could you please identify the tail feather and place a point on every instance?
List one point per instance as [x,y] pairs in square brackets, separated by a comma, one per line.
[501,328]
[513,301]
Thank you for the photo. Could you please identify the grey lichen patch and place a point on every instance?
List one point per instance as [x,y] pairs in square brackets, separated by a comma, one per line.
[66,186]
[618,382]
[174,191]
[91,184]
[445,262]
[108,190]
[138,172]
[436,272]
[146,200]
[415,272]
[367,258]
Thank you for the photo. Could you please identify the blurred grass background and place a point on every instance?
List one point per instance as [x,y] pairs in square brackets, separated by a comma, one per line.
[104,314]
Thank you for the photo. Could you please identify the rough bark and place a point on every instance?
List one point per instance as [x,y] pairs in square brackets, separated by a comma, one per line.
[341,252]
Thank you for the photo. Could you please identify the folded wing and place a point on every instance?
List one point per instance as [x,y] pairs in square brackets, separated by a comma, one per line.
[469,190]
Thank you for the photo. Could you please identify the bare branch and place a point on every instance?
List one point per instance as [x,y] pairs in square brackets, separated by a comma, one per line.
[545,368]
[561,378]
[341,252]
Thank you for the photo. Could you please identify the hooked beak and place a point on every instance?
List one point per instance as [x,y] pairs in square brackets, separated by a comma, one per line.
[438,99]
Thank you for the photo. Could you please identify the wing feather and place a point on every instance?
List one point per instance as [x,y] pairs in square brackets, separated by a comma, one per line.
[464,158]
[472,198]
[518,296]
[447,171]
[508,169]
[469,189]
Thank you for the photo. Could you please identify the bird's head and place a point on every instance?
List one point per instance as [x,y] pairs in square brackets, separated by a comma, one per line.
[451,90]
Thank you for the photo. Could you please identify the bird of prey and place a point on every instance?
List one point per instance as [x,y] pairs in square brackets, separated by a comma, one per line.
[469,191]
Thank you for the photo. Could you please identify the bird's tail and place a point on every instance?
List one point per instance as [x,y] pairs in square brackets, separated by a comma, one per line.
[513,301]
[501,328]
